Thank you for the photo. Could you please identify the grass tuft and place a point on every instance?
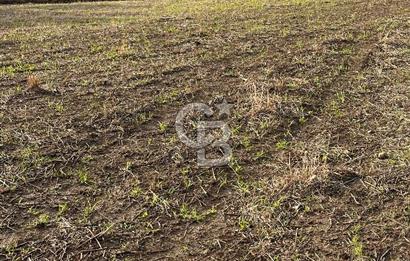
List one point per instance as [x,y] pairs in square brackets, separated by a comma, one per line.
[33,82]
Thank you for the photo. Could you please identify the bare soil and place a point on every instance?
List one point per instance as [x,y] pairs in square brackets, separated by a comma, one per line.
[91,166]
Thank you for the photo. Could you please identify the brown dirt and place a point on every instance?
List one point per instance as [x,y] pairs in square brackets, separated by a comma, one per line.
[91,166]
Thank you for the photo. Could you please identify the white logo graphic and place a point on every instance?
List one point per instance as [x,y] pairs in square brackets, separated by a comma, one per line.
[202,139]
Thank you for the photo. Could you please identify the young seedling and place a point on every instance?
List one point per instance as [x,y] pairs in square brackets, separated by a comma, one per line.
[162,127]
[259,155]
[42,220]
[246,143]
[57,106]
[192,214]
[83,176]
[234,165]
[277,203]
[357,246]
[87,211]
[135,192]
[282,145]
[62,209]
[243,224]
[242,186]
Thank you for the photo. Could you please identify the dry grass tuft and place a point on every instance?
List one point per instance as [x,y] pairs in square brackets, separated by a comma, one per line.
[261,100]
[310,168]
[33,82]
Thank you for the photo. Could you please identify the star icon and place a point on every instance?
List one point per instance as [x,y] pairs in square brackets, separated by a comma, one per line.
[224,108]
